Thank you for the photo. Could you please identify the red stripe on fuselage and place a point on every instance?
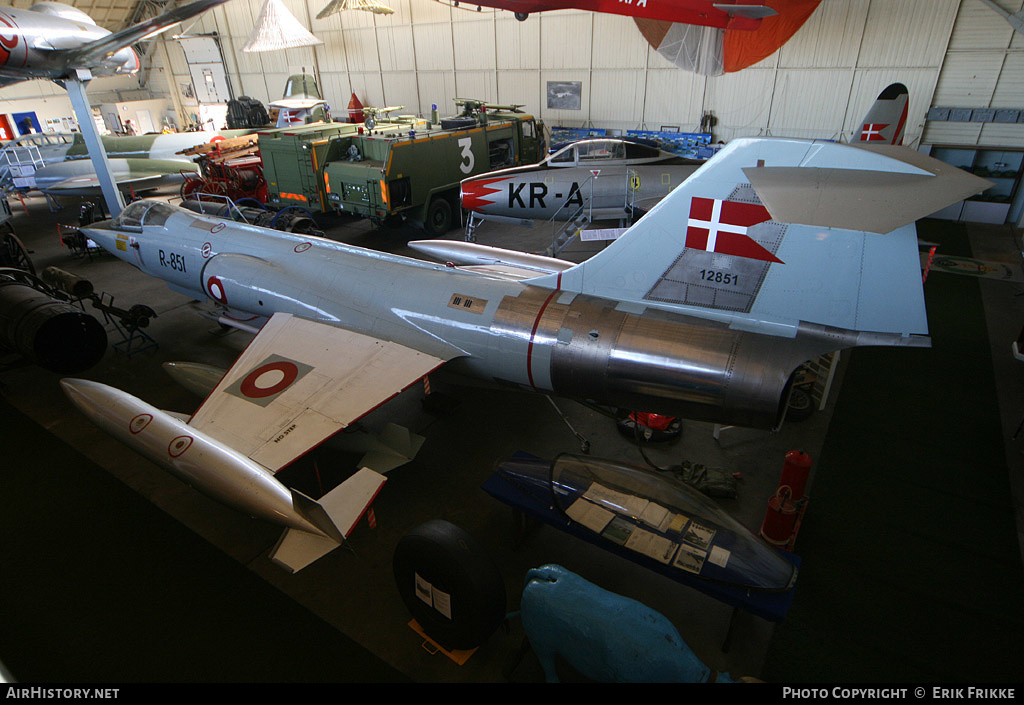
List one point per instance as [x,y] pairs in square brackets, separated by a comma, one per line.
[533,332]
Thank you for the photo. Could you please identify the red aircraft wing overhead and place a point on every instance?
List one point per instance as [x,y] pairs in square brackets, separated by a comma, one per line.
[706,13]
[712,50]
[743,49]
[709,37]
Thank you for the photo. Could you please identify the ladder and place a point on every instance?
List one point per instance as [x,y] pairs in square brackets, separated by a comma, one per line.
[580,216]
[18,164]
[564,234]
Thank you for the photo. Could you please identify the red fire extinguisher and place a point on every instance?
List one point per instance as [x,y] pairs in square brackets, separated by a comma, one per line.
[795,472]
[784,507]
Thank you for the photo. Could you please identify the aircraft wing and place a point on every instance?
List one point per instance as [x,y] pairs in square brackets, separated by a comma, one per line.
[72,186]
[299,382]
[98,50]
[78,177]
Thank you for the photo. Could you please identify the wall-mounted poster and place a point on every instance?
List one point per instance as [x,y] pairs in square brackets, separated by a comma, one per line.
[565,95]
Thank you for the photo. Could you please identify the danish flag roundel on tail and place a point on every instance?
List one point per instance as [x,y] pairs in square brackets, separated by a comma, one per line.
[721,226]
[872,132]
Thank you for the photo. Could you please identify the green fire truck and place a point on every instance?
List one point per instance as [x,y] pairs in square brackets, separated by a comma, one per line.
[404,168]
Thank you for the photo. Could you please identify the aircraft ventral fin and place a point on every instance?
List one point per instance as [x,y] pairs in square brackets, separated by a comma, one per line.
[336,514]
[299,382]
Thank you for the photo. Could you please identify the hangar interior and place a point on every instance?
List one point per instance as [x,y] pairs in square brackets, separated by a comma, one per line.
[909,546]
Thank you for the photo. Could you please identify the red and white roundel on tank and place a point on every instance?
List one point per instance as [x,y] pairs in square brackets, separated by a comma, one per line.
[215,290]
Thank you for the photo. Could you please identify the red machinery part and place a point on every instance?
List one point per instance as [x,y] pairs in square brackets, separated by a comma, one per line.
[779,523]
[355,110]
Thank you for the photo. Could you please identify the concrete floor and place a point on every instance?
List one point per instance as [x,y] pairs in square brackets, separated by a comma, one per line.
[354,590]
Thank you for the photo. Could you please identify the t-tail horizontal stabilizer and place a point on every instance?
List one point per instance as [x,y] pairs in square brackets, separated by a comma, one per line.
[336,514]
[783,236]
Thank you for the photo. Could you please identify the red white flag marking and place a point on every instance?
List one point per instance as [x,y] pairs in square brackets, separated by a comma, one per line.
[721,226]
[872,132]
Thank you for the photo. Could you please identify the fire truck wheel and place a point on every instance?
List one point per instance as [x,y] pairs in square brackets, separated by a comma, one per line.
[439,216]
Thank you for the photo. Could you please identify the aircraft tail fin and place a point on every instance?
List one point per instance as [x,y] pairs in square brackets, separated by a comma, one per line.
[887,118]
[301,85]
[773,233]
[112,43]
[336,515]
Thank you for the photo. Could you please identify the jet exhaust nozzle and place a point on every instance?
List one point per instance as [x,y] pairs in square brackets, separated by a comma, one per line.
[52,334]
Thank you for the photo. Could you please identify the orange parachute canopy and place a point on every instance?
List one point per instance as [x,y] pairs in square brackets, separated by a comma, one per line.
[745,48]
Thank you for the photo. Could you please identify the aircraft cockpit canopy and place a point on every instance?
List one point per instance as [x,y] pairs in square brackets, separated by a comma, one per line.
[655,516]
[144,212]
[596,151]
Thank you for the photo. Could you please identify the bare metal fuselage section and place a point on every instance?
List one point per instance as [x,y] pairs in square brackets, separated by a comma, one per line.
[575,345]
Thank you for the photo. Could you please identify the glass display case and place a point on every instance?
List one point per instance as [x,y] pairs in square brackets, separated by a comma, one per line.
[657,518]
[1002,167]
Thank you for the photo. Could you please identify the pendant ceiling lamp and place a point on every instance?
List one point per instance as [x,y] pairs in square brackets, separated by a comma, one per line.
[277,29]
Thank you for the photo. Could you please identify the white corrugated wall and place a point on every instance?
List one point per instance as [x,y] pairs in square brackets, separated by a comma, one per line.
[820,84]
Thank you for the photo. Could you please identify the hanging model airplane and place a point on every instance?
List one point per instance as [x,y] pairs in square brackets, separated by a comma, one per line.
[703,36]
[52,40]
[611,178]
[703,309]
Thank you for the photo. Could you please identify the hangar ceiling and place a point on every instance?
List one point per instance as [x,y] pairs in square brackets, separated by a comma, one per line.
[110,14]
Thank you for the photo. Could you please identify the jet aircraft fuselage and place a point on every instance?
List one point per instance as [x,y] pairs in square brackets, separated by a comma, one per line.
[32,42]
[703,309]
[543,339]
[608,177]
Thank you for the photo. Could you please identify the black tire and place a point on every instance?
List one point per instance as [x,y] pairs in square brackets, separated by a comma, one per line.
[801,405]
[457,122]
[439,216]
[449,560]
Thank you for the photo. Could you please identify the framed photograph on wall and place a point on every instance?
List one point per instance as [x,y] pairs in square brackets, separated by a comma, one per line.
[565,95]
